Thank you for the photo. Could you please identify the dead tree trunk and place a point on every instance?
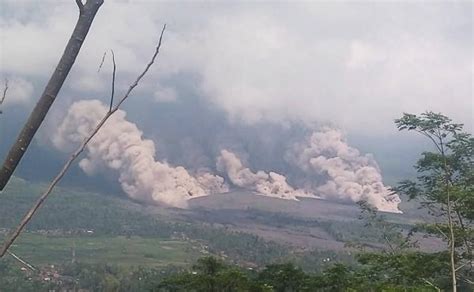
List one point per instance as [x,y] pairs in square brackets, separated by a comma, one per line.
[87,13]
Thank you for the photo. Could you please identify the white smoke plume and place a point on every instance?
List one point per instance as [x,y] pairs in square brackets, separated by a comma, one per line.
[119,146]
[270,184]
[328,166]
[349,175]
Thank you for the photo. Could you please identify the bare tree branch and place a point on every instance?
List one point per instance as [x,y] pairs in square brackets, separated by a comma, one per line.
[5,90]
[12,237]
[21,260]
[113,81]
[441,231]
[84,22]
[462,266]
[431,284]
[80,5]
[102,61]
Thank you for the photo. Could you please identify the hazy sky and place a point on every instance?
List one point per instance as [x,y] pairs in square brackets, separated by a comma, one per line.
[358,65]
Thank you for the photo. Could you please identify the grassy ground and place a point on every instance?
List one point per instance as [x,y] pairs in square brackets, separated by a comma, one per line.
[134,251]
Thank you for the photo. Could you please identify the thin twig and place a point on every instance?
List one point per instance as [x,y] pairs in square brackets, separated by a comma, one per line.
[113,81]
[5,90]
[80,5]
[384,233]
[431,284]
[11,238]
[102,61]
[462,266]
[441,232]
[21,261]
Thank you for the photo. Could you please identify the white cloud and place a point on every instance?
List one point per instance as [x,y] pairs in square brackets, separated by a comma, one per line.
[165,94]
[358,65]
[363,55]
[19,91]
[89,83]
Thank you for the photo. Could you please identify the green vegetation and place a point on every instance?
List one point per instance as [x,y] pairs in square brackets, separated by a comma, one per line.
[89,277]
[72,211]
[68,215]
[120,250]
[210,274]
[14,279]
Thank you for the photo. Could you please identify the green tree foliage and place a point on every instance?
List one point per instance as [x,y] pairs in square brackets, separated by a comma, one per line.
[208,274]
[396,264]
[375,274]
[284,278]
[445,186]
[405,270]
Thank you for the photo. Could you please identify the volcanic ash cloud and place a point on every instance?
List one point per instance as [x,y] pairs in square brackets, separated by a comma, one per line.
[324,165]
[119,146]
[270,184]
[347,174]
